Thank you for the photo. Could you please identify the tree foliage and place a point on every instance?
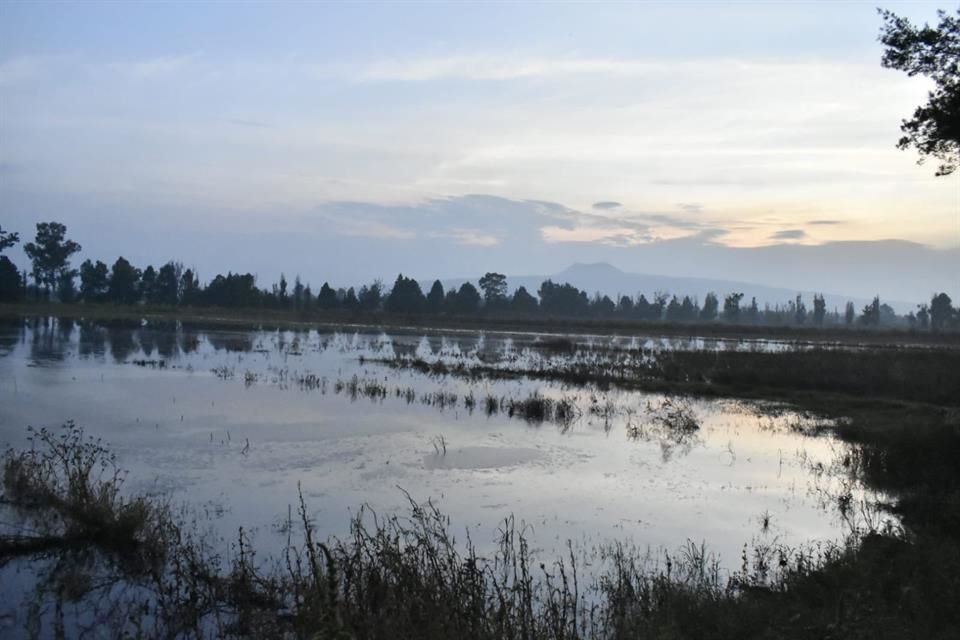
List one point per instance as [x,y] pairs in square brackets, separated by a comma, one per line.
[8,239]
[50,254]
[934,129]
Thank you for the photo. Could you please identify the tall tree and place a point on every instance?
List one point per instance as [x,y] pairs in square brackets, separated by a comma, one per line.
[731,307]
[934,129]
[819,309]
[467,299]
[297,294]
[941,311]
[50,253]
[435,297]
[8,239]
[190,292]
[710,306]
[148,285]
[494,287]
[405,297]
[10,289]
[167,287]
[94,281]
[124,287]
[327,298]
[523,302]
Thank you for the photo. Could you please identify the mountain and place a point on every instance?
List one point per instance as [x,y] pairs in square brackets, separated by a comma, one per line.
[608,280]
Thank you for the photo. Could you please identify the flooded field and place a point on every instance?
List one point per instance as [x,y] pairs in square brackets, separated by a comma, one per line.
[234,421]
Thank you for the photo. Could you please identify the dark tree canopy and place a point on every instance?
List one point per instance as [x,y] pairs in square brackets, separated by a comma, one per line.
[405,297]
[494,287]
[124,287]
[8,239]
[710,306]
[934,129]
[94,281]
[941,311]
[523,302]
[10,289]
[50,253]
[327,298]
[435,297]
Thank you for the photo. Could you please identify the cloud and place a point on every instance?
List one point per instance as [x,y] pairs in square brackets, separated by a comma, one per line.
[470,237]
[607,205]
[502,67]
[690,207]
[789,234]
[824,222]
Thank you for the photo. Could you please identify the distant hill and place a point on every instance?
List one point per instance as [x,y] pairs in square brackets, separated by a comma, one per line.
[609,280]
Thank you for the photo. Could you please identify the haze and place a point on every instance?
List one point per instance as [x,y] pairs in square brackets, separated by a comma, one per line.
[737,141]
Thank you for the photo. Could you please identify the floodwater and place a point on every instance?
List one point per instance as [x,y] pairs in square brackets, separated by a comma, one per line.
[233,422]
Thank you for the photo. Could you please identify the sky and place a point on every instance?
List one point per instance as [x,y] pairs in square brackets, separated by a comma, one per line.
[345,142]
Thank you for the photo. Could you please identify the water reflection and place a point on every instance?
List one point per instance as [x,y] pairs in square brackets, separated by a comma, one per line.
[291,408]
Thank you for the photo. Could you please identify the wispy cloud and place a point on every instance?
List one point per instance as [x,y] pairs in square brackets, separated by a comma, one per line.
[789,234]
[607,205]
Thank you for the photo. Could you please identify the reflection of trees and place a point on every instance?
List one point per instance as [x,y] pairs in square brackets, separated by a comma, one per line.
[188,339]
[147,341]
[50,338]
[223,341]
[166,343]
[123,342]
[93,339]
[11,332]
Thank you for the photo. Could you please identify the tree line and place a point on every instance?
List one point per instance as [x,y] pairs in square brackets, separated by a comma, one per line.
[172,285]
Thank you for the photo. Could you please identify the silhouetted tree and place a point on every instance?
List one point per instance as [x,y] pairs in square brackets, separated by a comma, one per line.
[467,300]
[66,288]
[297,294]
[10,286]
[923,316]
[148,284]
[941,311]
[799,310]
[308,298]
[233,290]
[871,313]
[625,306]
[850,313]
[281,292]
[50,254]
[819,309]
[563,299]
[327,298]
[370,296]
[731,307]
[710,307]
[190,293]
[124,282]
[934,129]
[167,287]
[523,302]
[8,239]
[674,310]
[350,300]
[494,287]
[94,281]
[405,297]
[602,306]
[435,297]
[753,311]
